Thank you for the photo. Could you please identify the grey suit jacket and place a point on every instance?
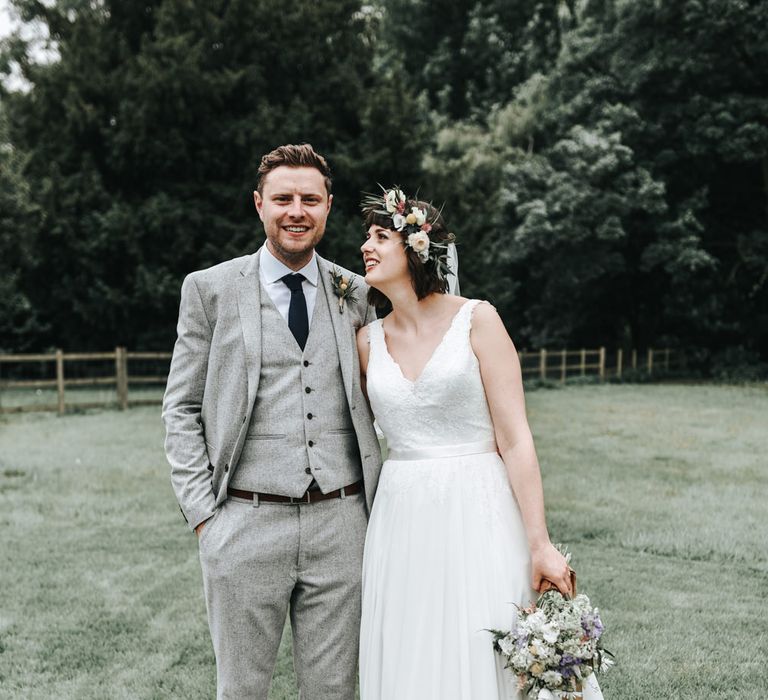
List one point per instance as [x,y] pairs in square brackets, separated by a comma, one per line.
[214,379]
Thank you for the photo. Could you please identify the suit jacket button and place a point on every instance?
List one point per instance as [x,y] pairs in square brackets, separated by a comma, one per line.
[226,467]
[308,470]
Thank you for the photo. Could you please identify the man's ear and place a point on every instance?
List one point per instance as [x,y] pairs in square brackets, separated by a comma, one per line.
[259,202]
[330,201]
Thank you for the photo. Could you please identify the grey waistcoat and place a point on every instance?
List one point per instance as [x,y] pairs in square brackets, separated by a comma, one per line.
[300,427]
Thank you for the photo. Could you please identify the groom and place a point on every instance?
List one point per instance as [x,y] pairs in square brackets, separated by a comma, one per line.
[273,455]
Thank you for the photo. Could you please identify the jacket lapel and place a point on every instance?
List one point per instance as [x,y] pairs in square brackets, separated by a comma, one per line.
[342,327]
[249,309]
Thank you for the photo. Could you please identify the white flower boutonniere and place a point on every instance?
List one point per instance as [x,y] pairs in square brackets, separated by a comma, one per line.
[343,288]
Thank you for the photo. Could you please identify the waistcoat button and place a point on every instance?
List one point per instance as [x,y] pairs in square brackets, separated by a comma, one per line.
[310,443]
[309,416]
[306,363]
[308,470]
[308,390]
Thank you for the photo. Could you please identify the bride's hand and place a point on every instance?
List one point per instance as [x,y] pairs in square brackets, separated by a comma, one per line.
[548,563]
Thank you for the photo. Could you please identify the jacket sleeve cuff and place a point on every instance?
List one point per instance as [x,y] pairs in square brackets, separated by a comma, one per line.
[195,516]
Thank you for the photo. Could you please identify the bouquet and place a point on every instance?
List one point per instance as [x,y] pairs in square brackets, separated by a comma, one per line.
[554,646]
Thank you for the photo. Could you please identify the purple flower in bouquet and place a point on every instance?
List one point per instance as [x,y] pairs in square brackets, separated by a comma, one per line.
[567,664]
[592,624]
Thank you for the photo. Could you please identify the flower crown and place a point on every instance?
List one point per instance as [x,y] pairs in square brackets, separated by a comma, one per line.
[413,226]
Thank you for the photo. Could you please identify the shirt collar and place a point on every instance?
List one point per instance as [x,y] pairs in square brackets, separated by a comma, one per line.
[274,270]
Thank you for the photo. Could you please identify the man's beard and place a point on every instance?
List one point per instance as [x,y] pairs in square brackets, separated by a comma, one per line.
[294,256]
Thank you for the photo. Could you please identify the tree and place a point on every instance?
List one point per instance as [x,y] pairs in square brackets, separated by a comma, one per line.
[689,75]
[162,111]
[19,321]
[468,55]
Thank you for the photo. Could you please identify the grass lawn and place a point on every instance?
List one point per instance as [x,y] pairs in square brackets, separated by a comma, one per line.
[659,490]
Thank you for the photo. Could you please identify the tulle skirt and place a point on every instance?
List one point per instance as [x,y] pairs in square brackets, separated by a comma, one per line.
[446,559]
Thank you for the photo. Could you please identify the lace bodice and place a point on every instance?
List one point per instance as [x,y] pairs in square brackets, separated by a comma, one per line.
[445,406]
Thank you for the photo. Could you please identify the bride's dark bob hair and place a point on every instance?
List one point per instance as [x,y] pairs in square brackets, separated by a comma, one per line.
[424,275]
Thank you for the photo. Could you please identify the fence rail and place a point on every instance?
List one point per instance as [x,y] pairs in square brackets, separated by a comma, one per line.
[58,367]
[59,375]
[559,364]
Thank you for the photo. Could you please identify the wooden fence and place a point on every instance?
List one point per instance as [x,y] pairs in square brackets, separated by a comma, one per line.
[57,365]
[541,364]
[564,364]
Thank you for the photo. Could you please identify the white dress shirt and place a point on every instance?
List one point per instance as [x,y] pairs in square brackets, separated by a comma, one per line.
[271,272]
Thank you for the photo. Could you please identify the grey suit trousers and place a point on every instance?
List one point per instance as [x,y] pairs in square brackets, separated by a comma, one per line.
[261,562]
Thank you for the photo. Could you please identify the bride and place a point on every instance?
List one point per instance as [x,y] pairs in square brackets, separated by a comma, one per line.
[457,536]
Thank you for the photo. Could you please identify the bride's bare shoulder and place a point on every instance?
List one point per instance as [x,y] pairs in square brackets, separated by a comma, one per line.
[488,328]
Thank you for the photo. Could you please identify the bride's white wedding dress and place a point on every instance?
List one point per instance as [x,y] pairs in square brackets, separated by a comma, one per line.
[446,555]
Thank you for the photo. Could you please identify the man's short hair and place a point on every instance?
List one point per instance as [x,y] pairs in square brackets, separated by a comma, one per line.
[293,156]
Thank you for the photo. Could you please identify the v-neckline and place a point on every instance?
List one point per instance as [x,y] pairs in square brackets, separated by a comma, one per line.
[414,382]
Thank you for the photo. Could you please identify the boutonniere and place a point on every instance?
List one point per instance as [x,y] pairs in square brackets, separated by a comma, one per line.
[343,287]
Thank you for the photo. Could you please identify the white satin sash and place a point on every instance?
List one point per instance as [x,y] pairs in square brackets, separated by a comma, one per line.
[461,450]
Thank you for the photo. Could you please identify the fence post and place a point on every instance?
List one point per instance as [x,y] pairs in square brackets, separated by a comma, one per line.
[563,366]
[634,359]
[619,361]
[583,364]
[60,381]
[602,364]
[121,377]
[543,363]
[650,360]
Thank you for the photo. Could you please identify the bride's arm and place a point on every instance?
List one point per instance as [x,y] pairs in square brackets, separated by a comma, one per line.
[363,347]
[502,380]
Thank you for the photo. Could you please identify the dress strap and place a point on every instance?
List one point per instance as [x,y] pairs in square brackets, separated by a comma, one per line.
[374,333]
[464,316]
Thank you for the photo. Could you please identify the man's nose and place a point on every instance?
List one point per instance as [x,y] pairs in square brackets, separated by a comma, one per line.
[296,209]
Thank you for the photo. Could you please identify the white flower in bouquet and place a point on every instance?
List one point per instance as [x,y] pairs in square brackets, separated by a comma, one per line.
[550,632]
[507,645]
[552,678]
[536,621]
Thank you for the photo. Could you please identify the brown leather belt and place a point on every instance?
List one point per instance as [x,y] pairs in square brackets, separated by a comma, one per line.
[308,497]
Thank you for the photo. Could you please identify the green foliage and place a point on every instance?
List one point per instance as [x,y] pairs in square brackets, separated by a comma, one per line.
[604,163]
[162,112]
[686,77]
[469,55]
[631,203]
[19,322]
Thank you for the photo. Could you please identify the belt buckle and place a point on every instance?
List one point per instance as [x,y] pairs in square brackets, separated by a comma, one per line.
[306,498]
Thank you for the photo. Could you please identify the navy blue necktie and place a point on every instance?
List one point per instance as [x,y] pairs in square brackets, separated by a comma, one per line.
[298,320]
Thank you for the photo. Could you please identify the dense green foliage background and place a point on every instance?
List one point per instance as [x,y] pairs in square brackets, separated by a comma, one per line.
[604,163]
